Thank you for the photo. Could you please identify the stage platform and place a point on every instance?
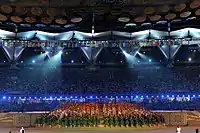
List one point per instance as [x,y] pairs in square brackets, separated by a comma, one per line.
[27,119]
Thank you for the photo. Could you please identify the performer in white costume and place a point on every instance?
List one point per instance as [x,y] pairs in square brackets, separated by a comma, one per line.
[22,130]
[178,129]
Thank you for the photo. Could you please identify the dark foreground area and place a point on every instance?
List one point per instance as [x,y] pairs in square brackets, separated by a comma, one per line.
[109,130]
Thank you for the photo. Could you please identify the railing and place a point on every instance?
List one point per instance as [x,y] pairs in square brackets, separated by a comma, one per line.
[92,43]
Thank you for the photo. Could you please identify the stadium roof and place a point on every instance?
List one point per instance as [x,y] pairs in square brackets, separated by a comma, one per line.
[103,15]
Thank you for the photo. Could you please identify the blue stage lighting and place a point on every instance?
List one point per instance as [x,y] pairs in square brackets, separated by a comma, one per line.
[33,61]
[22,62]
[136,97]
[60,52]
[189,59]
[72,61]
[150,60]
[4,97]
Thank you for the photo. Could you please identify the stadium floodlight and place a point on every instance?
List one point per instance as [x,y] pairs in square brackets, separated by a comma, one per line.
[189,59]
[72,61]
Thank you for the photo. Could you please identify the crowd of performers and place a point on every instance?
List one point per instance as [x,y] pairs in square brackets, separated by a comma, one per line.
[107,115]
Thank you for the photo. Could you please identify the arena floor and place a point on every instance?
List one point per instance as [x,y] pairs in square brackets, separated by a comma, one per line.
[163,130]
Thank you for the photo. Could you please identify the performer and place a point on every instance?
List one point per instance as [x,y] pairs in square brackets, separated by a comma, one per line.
[22,130]
[178,129]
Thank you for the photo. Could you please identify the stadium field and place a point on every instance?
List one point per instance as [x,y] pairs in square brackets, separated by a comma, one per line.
[107,130]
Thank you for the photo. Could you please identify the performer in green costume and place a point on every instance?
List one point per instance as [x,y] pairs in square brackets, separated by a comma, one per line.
[126,122]
[106,122]
[116,121]
[121,122]
[111,122]
[131,122]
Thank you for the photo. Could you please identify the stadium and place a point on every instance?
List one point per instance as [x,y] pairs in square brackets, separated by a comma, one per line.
[99,66]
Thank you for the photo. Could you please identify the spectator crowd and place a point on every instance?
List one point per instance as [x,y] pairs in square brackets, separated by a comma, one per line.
[150,80]
[100,82]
